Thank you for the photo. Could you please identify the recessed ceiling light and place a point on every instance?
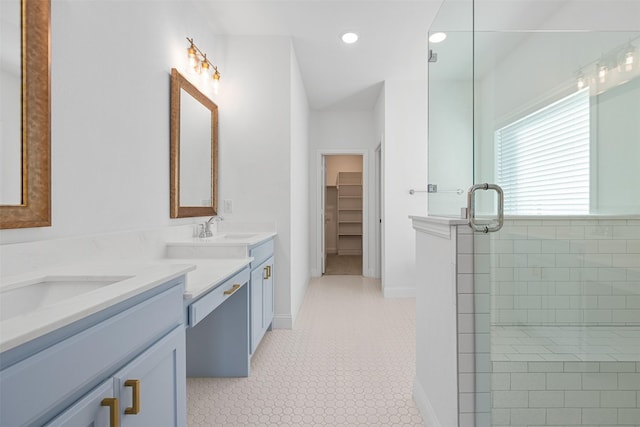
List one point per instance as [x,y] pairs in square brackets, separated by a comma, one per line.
[349,37]
[437,37]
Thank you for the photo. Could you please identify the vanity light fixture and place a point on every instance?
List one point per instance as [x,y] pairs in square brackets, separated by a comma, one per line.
[198,63]
[613,68]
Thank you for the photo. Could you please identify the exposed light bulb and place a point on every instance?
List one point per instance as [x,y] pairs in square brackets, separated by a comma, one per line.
[204,67]
[192,59]
[216,81]
[204,72]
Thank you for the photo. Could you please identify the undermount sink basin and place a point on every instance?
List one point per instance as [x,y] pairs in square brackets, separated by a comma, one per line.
[33,295]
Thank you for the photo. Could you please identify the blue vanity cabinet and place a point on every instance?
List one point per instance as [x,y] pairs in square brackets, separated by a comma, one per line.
[143,392]
[218,330]
[91,410]
[261,294]
[133,352]
[152,388]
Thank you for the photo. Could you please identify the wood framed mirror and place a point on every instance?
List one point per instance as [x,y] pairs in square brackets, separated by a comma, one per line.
[194,150]
[25,199]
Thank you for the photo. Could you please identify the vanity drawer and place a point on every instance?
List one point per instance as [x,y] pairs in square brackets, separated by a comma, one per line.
[209,302]
[261,253]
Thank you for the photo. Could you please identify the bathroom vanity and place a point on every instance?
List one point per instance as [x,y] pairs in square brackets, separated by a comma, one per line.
[61,364]
[94,343]
[258,248]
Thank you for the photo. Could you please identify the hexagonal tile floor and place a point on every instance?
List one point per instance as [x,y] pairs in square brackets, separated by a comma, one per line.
[349,361]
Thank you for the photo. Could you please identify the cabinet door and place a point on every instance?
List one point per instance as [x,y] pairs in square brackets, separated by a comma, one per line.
[257,276]
[88,411]
[152,388]
[267,296]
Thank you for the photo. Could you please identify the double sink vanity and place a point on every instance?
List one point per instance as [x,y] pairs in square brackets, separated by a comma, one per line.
[112,343]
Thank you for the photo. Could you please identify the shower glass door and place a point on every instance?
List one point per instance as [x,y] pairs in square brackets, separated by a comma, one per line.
[451,109]
[554,100]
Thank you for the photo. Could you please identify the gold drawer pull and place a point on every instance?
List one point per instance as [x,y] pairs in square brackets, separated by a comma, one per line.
[135,393]
[266,273]
[114,413]
[232,290]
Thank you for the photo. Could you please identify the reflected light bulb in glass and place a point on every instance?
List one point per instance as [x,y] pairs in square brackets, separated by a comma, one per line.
[602,73]
[628,61]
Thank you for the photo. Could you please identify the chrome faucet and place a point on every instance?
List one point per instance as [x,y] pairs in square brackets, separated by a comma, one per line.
[206,230]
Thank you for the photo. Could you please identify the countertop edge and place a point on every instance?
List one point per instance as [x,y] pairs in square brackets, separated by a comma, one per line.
[56,315]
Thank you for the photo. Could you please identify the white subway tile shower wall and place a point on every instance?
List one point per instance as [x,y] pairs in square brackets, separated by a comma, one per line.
[546,313]
[566,272]
[566,393]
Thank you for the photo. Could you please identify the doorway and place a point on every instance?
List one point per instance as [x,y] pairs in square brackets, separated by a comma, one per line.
[343,214]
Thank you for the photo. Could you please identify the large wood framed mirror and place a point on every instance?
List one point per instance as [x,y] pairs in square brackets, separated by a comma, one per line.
[194,150]
[25,114]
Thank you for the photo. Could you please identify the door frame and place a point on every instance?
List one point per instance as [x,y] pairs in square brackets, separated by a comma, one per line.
[379,202]
[319,214]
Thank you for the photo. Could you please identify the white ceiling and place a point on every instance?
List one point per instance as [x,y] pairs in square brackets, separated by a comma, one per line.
[392,45]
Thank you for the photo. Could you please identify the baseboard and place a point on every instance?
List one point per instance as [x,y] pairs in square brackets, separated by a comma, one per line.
[281,321]
[422,401]
[392,292]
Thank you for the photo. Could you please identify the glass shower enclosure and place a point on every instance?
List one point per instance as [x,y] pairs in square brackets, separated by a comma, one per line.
[542,98]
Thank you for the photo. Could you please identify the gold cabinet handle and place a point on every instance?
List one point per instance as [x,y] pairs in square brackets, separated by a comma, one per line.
[266,273]
[269,271]
[114,413]
[135,393]
[232,290]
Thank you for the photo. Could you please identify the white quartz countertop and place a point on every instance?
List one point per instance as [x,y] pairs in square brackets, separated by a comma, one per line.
[208,273]
[226,239]
[440,220]
[203,273]
[136,278]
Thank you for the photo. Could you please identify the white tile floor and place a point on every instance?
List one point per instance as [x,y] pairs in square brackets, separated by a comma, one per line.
[349,361]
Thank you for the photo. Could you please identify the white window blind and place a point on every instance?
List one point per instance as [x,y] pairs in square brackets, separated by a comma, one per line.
[543,159]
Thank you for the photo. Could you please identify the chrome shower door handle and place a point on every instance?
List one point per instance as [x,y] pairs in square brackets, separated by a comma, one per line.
[471,208]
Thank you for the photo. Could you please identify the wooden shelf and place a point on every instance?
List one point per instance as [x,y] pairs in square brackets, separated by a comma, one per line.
[349,186]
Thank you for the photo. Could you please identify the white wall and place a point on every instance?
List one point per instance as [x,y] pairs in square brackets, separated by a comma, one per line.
[333,131]
[379,113]
[340,163]
[405,167]
[110,127]
[616,130]
[300,231]
[450,145]
[263,127]
[110,114]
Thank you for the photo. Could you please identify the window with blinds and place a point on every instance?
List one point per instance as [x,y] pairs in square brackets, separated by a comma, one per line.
[542,160]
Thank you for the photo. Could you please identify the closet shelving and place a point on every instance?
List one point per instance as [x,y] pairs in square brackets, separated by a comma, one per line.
[349,213]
